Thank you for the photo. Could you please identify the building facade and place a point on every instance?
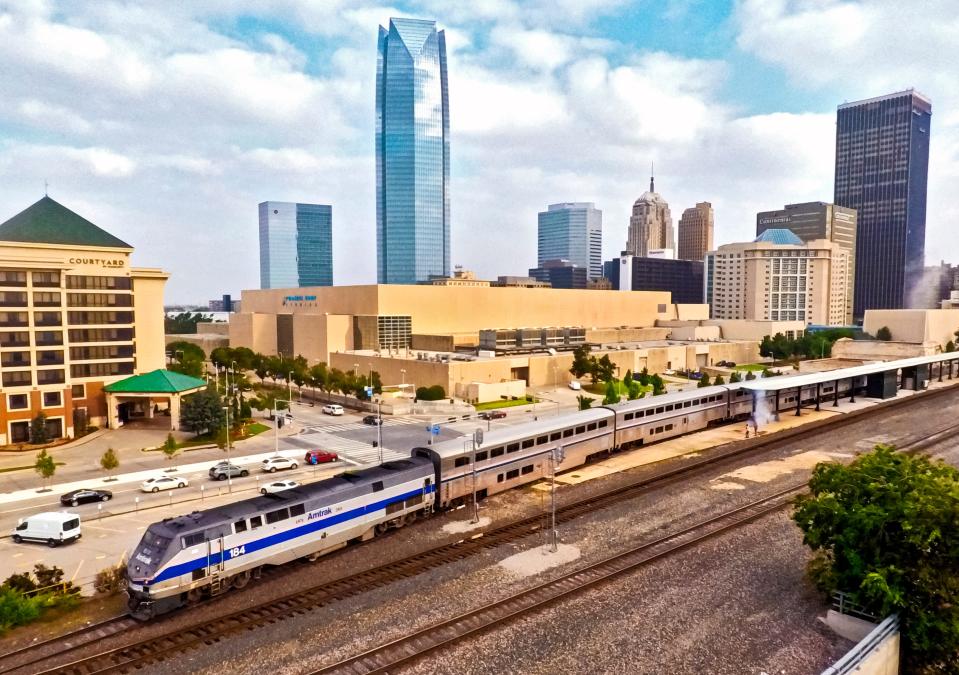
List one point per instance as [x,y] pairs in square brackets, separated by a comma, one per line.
[296,245]
[882,164]
[779,277]
[818,220]
[696,232]
[651,225]
[572,231]
[682,278]
[412,153]
[562,274]
[76,317]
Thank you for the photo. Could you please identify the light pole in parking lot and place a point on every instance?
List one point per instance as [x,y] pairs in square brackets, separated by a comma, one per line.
[477,441]
[229,467]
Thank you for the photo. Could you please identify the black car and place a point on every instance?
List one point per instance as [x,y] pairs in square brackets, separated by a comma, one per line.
[373,420]
[75,497]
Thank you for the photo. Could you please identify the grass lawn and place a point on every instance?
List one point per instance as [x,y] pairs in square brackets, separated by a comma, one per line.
[755,367]
[249,429]
[493,405]
[23,468]
[599,389]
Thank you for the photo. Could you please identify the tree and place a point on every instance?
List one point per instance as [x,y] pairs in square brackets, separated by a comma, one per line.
[109,461]
[769,373]
[628,379]
[169,446]
[45,466]
[434,393]
[659,387]
[883,529]
[950,347]
[184,323]
[634,391]
[704,381]
[605,369]
[186,357]
[719,380]
[735,377]
[766,347]
[585,402]
[202,411]
[643,377]
[884,334]
[38,430]
[750,375]
[612,393]
[583,362]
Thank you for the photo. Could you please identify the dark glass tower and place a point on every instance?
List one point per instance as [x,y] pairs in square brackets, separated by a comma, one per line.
[882,164]
[412,153]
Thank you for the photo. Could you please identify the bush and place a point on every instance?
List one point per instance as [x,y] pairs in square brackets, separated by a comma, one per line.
[434,393]
[111,580]
[884,334]
[92,428]
[16,609]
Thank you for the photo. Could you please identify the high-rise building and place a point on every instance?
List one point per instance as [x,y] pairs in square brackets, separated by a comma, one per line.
[818,220]
[682,278]
[882,163]
[412,153]
[296,245]
[572,231]
[561,274]
[696,232]
[779,277]
[651,225]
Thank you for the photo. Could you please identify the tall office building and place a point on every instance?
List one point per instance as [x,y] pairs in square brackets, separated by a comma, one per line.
[696,232]
[296,245]
[682,278]
[572,231]
[651,225]
[818,220]
[412,153]
[882,163]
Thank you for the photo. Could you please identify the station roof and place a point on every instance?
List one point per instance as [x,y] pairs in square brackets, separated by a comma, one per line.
[157,381]
[792,381]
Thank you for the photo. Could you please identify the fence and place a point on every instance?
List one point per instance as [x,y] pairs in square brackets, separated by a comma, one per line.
[866,649]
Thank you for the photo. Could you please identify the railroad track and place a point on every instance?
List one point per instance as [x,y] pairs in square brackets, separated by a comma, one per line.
[138,653]
[68,642]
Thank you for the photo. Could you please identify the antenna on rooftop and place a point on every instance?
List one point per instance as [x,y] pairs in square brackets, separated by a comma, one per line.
[46,185]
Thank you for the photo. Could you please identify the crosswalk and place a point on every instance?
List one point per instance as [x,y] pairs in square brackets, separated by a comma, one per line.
[351,451]
[354,426]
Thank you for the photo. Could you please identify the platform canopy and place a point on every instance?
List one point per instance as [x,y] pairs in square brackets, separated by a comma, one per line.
[156,382]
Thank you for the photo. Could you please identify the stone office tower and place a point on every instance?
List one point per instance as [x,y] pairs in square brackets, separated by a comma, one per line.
[651,225]
[696,232]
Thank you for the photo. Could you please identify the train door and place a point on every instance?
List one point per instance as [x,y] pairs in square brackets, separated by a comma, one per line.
[216,565]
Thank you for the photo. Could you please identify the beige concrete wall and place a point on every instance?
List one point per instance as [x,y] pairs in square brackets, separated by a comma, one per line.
[879,350]
[148,286]
[914,325]
[213,328]
[746,329]
[207,342]
[256,331]
[444,343]
[884,660]
[482,392]
[695,332]
[616,335]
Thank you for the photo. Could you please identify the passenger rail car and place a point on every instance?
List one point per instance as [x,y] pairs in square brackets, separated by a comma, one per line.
[179,559]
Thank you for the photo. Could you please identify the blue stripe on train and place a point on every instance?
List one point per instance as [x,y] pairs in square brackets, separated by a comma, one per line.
[280,537]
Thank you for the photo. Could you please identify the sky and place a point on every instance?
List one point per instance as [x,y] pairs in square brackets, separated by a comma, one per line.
[166,123]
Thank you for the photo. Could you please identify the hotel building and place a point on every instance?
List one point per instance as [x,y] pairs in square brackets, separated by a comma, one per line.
[74,317]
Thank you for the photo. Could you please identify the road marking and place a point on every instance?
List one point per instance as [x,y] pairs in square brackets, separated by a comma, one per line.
[74,577]
[100,527]
[17,555]
[101,556]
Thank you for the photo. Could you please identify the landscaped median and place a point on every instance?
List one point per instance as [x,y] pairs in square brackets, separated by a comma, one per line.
[511,403]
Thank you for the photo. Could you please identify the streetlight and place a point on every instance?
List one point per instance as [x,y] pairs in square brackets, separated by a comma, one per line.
[476,442]
[229,473]
[379,427]
[403,375]
[289,387]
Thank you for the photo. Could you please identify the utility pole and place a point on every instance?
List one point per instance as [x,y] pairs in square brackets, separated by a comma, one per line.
[476,443]
[379,427]
[556,456]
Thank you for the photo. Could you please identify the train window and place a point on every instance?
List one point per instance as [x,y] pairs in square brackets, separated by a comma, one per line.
[602,423]
[428,482]
[277,516]
[659,409]
[659,430]
[199,573]
[567,433]
[542,440]
[239,526]
[669,427]
[414,500]
[581,430]
[500,477]
[628,416]
[255,522]
[513,447]
[481,456]
[591,426]
[461,461]
[527,469]
[688,404]
[669,407]
[193,539]
[528,443]
[512,473]
[378,485]
[496,452]
[297,510]
[555,436]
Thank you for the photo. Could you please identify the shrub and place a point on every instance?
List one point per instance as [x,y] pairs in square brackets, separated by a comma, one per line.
[434,393]
[111,580]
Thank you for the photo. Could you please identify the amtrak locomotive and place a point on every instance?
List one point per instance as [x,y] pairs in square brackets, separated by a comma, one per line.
[180,559]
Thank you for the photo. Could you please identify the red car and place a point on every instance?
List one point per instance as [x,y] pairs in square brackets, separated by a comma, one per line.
[320,456]
[492,415]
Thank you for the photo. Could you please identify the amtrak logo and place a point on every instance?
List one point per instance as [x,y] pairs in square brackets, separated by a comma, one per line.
[320,514]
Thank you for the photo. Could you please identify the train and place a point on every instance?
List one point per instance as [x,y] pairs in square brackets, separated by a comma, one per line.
[180,560]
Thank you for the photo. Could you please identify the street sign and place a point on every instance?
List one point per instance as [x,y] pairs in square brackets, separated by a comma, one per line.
[478,437]
[433,429]
[369,392]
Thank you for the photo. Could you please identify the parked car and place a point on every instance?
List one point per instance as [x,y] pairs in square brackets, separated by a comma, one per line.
[163,483]
[272,464]
[373,420]
[85,496]
[574,385]
[492,414]
[332,409]
[320,456]
[279,486]
[53,528]
[224,470]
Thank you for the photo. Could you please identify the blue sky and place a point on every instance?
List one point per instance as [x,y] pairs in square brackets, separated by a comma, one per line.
[167,123]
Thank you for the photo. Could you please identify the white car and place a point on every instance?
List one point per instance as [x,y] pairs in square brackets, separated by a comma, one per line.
[333,409]
[574,385]
[271,464]
[163,483]
[279,486]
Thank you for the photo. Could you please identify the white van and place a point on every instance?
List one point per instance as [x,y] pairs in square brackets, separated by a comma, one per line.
[54,528]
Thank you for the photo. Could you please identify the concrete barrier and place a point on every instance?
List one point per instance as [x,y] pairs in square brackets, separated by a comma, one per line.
[875,654]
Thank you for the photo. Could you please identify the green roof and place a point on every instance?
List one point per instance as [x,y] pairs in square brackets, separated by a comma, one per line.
[158,381]
[49,222]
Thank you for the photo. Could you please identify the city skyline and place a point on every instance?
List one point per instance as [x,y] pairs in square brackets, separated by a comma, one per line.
[296,244]
[221,108]
[572,231]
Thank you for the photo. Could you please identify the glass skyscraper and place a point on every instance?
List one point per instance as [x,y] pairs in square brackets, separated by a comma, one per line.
[296,245]
[572,231]
[412,153]
[882,163]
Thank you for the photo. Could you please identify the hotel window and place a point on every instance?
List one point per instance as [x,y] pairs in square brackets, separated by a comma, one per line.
[20,432]
[101,334]
[15,359]
[46,279]
[101,283]
[99,300]
[17,378]
[93,318]
[13,299]
[52,399]
[18,401]
[101,369]
[48,338]
[50,357]
[46,299]
[50,376]
[13,319]
[11,278]
[47,319]
[78,391]
[15,339]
